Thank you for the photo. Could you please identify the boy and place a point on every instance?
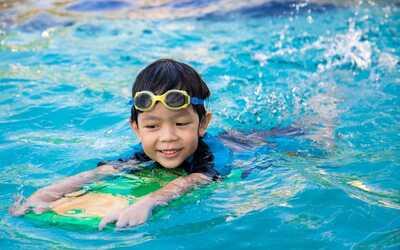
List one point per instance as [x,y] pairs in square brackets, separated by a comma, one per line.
[170,120]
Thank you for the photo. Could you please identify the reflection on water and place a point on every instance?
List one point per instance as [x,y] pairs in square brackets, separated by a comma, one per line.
[315,84]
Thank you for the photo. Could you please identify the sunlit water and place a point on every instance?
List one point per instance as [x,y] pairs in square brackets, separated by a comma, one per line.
[331,69]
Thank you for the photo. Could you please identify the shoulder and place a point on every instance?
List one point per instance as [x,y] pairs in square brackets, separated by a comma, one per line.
[222,156]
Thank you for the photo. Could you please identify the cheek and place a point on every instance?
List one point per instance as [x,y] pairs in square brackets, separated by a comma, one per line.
[148,140]
[190,133]
[191,140]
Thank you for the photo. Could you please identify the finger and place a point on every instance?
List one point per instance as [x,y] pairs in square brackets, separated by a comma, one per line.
[135,222]
[122,222]
[18,209]
[123,219]
[107,219]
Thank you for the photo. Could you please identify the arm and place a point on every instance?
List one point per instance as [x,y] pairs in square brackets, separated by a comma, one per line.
[41,199]
[139,212]
[177,187]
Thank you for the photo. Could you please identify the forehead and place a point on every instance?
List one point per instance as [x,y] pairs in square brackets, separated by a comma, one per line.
[159,112]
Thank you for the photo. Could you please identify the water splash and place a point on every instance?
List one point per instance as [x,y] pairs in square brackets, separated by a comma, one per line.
[349,48]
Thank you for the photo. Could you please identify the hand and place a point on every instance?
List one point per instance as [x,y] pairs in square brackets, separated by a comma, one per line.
[39,202]
[33,203]
[133,215]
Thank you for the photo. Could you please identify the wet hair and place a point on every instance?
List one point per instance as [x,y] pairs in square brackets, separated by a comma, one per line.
[165,74]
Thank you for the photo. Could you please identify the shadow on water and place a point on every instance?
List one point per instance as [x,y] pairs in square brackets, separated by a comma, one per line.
[40,16]
[273,9]
[99,5]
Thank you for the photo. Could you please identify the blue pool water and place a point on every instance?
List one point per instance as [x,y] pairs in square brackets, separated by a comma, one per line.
[332,69]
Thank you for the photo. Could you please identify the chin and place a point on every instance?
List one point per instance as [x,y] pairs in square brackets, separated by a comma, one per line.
[170,165]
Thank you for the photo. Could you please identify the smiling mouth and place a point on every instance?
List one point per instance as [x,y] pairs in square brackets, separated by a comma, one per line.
[170,153]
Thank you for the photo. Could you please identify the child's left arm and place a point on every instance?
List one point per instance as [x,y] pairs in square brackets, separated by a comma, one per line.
[139,212]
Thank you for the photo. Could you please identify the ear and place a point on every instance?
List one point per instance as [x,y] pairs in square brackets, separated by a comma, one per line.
[204,124]
[135,129]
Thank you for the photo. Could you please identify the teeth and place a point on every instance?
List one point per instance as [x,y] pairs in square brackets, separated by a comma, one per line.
[169,151]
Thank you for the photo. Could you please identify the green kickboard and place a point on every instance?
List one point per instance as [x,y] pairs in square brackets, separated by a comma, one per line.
[127,186]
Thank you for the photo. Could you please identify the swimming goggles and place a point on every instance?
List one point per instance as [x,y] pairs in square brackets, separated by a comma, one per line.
[172,99]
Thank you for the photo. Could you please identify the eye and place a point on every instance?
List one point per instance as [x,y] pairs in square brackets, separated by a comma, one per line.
[150,126]
[181,124]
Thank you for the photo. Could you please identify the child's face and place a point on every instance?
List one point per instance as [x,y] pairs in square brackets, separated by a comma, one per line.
[170,136]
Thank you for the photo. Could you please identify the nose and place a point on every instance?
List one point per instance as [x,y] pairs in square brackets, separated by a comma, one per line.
[168,133]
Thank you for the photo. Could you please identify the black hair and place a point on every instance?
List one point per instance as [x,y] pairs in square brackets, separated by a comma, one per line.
[165,74]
